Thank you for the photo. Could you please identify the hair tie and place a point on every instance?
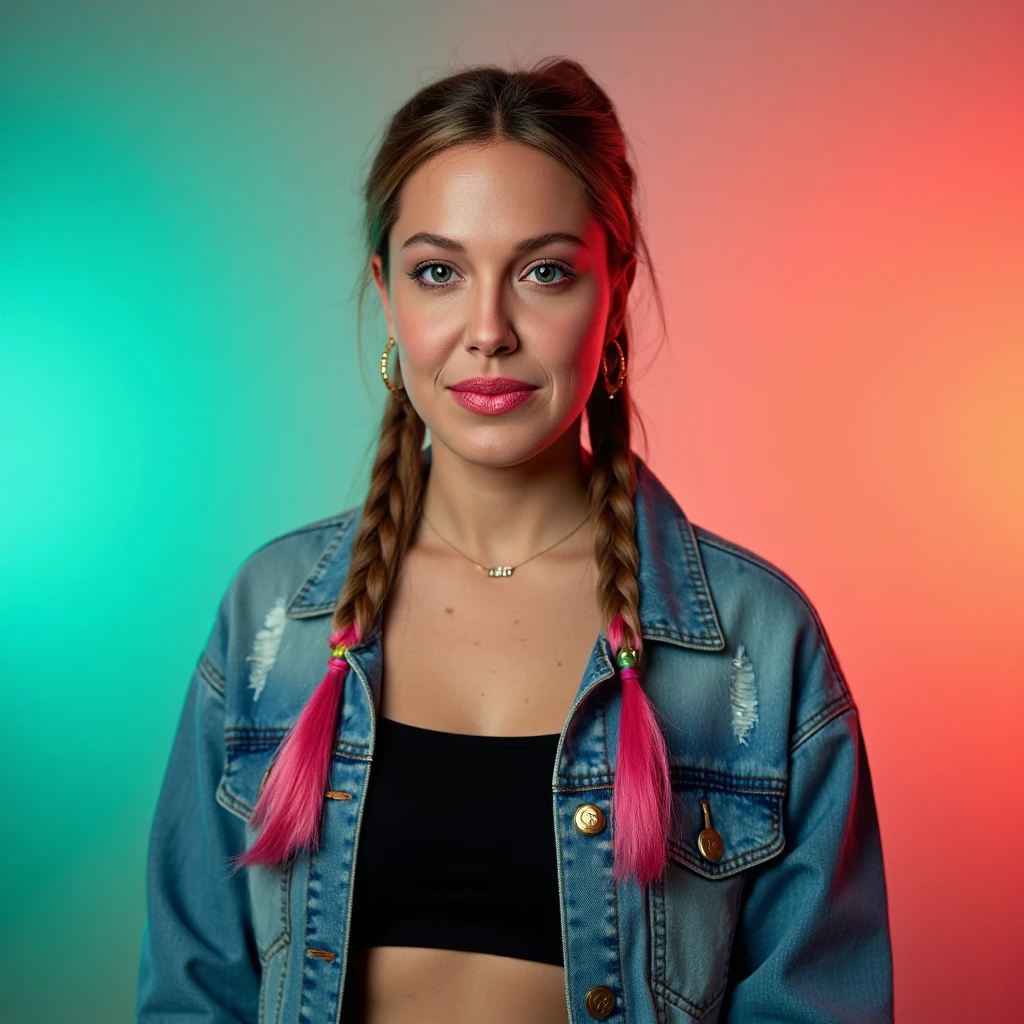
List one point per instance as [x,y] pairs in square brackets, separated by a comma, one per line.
[338,649]
[626,658]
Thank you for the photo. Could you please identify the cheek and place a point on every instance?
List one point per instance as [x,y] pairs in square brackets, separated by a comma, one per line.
[425,333]
[579,325]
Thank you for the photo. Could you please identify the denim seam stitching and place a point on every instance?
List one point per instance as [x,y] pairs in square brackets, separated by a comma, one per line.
[283,941]
[231,802]
[729,783]
[211,675]
[705,600]
[740,889]
[316,574]
[618,948]
[321,524]
[280,991]
[241,740]
[261,1006]
[285,937]
[692,641]
[615,887]
[834,709]
[657,891]
[303,986]
[679,1000]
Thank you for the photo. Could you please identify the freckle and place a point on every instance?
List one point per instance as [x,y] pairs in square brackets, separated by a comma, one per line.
[482,694]
[515,622]
[449,610]
[521,639]
[476,643]
[559,664]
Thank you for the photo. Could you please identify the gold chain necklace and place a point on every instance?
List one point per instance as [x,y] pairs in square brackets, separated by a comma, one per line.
[501,570]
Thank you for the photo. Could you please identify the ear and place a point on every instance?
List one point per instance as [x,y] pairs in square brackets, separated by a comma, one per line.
[622,282]
[377,269]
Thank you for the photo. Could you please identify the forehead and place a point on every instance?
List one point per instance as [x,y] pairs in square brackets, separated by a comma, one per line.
[491,193]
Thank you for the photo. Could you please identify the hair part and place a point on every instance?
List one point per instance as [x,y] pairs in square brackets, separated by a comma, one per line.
[558,108]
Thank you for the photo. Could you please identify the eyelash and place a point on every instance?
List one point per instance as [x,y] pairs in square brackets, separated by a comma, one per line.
[414,274]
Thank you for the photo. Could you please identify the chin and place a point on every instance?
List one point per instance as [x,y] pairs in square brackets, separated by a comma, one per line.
[494,446]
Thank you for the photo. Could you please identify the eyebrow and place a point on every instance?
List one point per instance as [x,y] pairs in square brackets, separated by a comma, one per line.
[527,244]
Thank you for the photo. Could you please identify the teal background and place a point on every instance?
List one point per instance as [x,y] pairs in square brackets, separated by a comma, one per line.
[179,244]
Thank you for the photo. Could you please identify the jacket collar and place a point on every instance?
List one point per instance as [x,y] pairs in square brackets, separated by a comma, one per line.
[675,600]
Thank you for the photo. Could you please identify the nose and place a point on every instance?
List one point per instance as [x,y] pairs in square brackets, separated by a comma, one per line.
[489,328]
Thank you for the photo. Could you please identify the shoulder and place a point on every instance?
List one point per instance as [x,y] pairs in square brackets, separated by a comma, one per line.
[736,573]
[270,581]
[763,607]
[299,548]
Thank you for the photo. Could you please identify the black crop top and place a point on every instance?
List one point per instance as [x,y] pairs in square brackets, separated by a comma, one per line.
[457,845]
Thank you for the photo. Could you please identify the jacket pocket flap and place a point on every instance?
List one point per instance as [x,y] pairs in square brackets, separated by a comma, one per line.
[249,755]
[745,812]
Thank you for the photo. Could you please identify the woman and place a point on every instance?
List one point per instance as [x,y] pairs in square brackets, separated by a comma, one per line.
[617,773]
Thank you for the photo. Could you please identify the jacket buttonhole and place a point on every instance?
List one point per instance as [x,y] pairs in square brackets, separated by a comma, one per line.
[321,954]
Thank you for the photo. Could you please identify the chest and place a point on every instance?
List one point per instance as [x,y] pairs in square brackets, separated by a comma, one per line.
[465,652]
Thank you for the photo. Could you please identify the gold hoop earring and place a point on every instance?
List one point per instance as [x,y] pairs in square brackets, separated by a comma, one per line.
[384,368]
[620,378]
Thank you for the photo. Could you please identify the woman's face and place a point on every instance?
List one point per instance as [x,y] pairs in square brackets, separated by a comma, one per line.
[498,269]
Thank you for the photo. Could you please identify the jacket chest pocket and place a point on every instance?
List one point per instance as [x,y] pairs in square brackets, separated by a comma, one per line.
[695,905]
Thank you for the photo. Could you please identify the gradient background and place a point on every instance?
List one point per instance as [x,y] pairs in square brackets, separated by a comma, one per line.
[835,203]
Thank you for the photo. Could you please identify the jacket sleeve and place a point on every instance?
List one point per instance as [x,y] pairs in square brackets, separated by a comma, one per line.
[813,937]
[199,963]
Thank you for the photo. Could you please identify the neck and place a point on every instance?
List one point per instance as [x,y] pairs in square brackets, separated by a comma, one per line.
[503,514]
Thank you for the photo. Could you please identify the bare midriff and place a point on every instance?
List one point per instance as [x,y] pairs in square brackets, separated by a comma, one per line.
[406,985]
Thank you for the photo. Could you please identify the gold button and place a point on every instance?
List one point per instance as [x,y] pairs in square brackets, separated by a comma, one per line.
[709,842]
[600,1002]
[589,819]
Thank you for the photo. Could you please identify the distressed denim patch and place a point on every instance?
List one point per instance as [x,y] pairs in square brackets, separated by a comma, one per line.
[265,648]
[743,695]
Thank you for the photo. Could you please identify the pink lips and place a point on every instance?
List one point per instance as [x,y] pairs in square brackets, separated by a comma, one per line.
[491,395]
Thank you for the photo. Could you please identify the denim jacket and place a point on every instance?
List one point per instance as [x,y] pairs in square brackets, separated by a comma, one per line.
[788,923]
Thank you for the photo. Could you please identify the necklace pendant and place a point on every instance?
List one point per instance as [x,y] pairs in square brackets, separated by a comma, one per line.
[500,570]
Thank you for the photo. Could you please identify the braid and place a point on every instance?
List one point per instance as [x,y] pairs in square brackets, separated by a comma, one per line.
[291,800]
[389,517]
[642,794]
[611,490]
